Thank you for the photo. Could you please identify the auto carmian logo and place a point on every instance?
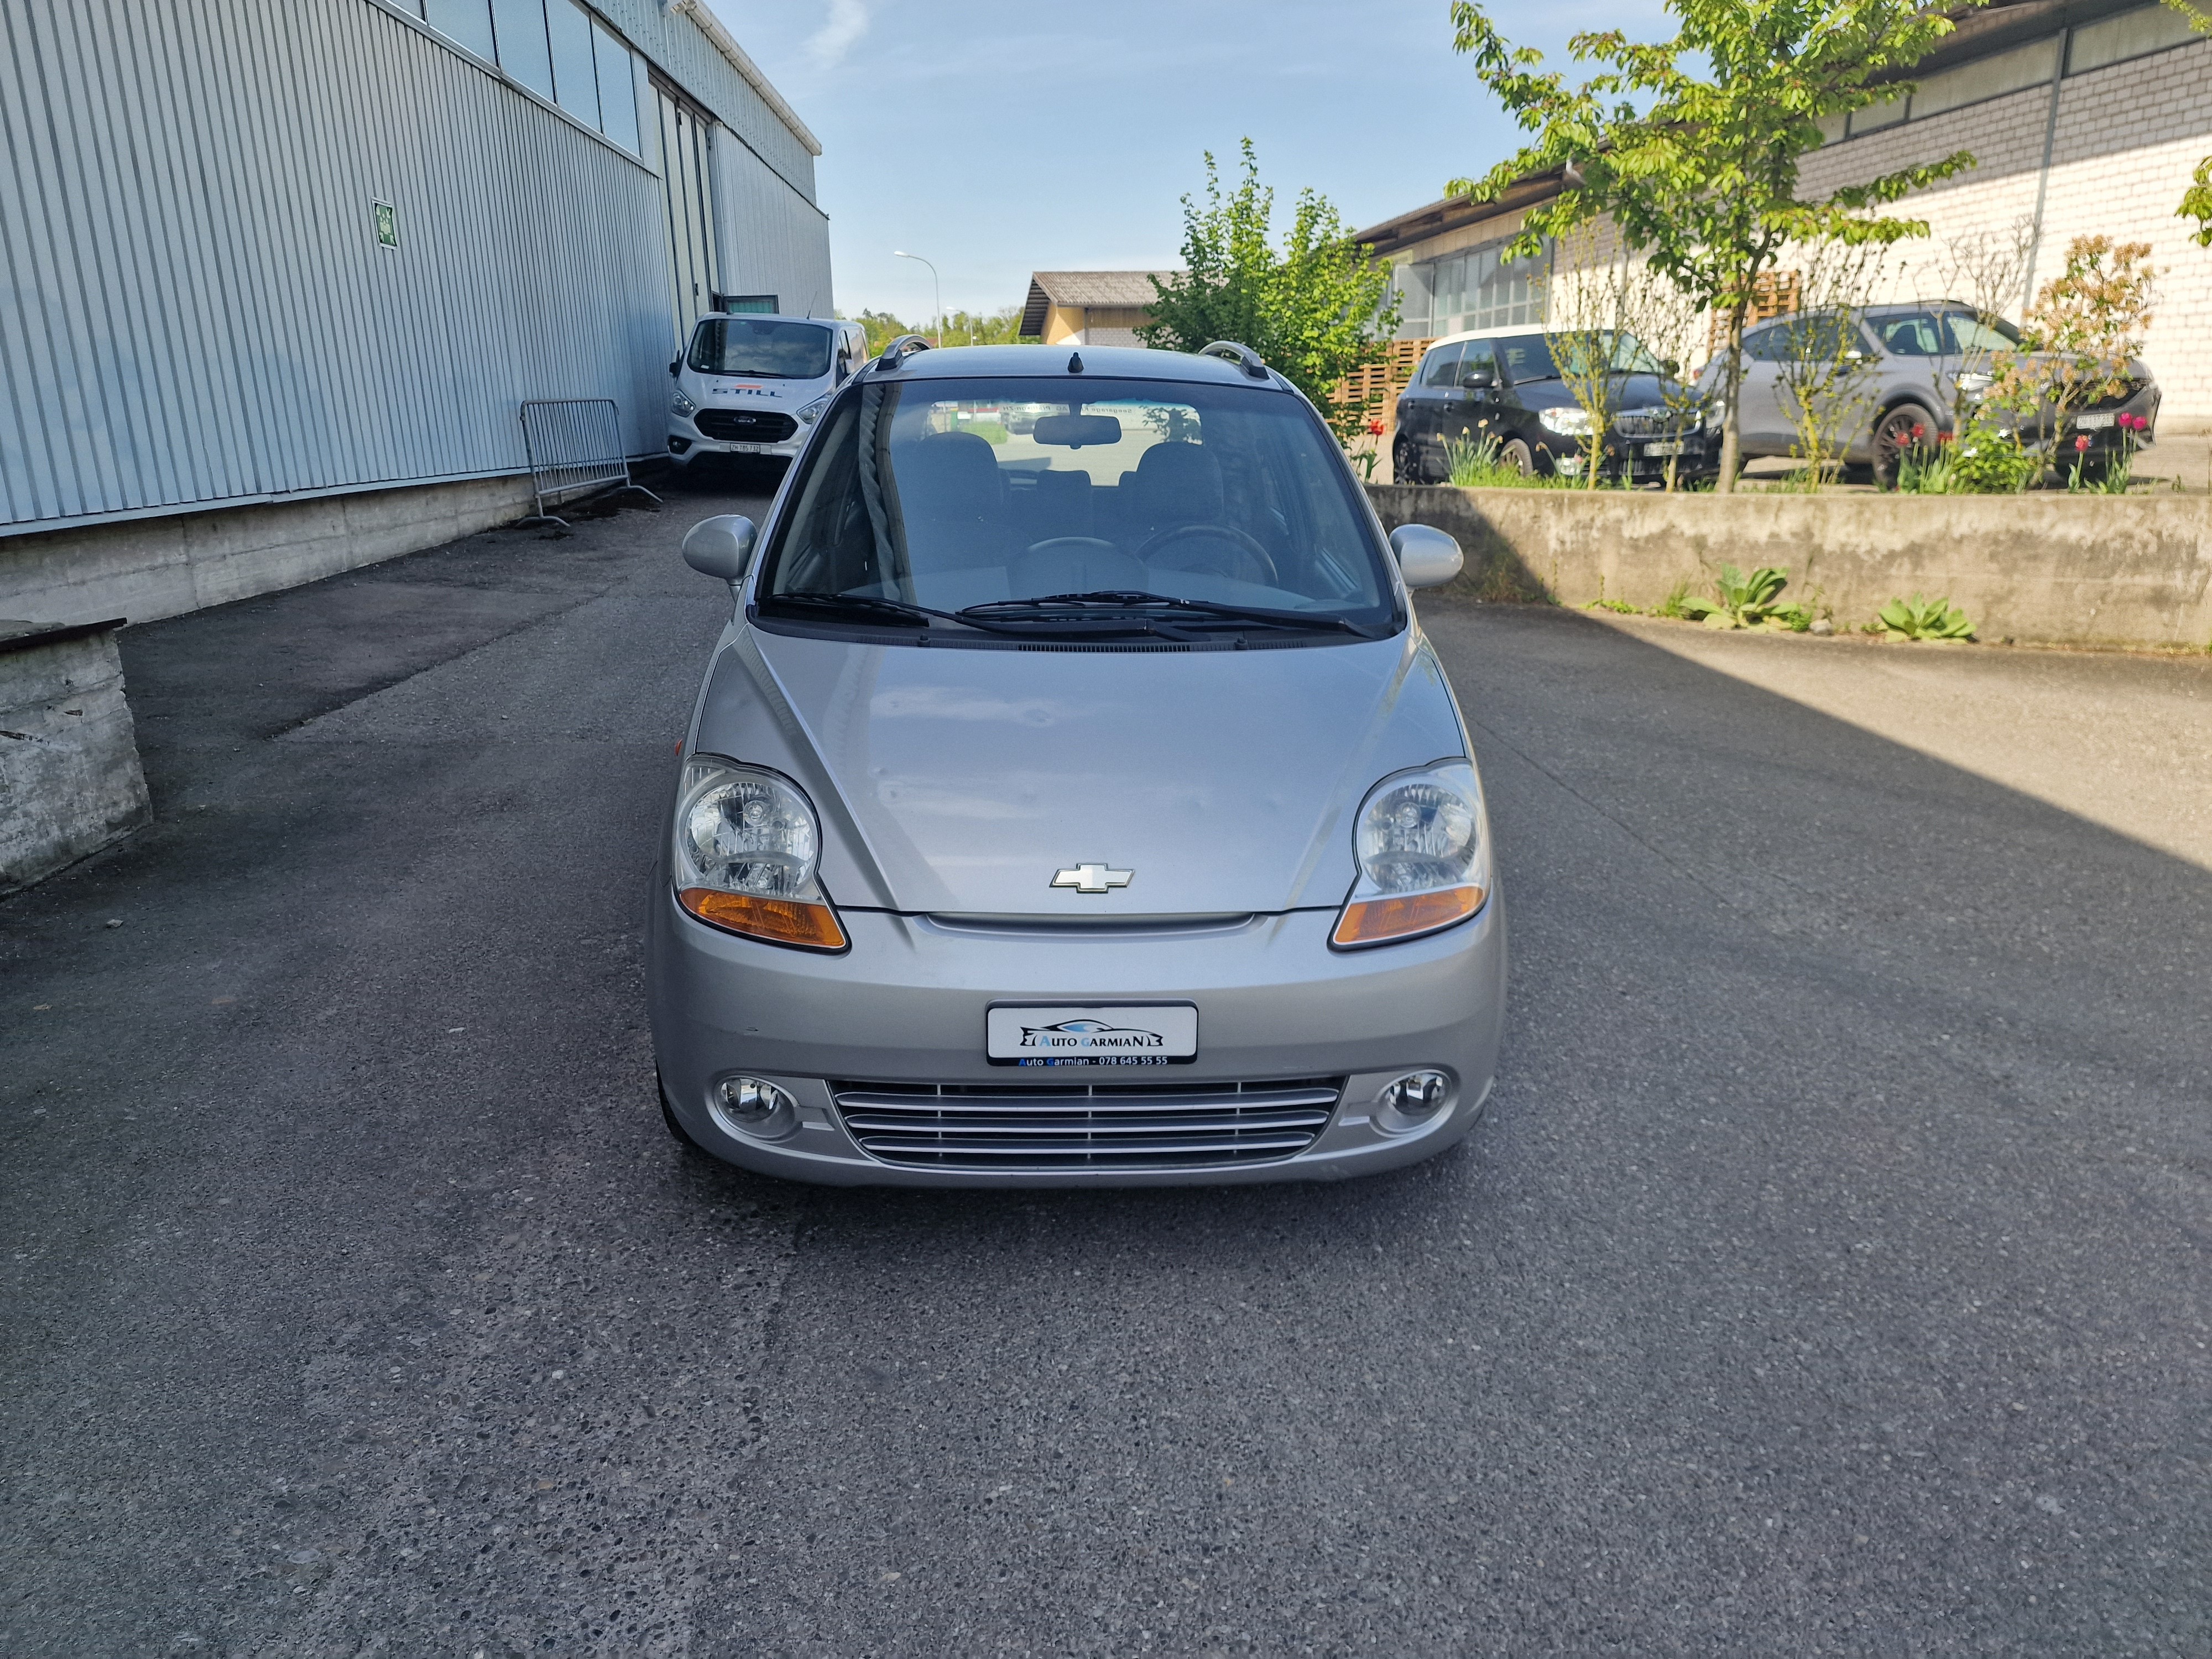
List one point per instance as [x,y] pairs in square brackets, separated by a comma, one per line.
[1089,1037]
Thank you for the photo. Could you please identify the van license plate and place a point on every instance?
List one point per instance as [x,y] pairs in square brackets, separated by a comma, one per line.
[1156,1034]
[1672,446]
[745,449]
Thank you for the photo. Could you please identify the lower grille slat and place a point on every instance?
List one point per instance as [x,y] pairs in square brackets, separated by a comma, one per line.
[1086,1126]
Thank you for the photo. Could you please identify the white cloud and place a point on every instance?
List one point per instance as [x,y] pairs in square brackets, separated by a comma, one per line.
[847,22]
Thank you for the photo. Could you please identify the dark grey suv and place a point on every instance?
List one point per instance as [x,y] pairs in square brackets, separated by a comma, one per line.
[1914,364]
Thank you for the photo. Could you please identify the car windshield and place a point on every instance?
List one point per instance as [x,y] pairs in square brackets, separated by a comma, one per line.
[771,351]
[1531,357]
[946,495]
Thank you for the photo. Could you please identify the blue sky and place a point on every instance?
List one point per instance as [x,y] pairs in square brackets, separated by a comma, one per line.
[998,138]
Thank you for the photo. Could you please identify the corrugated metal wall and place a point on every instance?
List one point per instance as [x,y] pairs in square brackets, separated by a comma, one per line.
[193,306]
[773,239]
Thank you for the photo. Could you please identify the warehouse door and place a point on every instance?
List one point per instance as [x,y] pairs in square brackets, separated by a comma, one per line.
[685,148]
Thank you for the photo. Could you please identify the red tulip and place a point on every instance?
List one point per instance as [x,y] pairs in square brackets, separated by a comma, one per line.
[1943,437]
[1375,428]
[1918,433]
[2082,442]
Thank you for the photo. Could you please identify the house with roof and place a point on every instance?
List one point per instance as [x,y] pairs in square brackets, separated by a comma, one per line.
[1088,307]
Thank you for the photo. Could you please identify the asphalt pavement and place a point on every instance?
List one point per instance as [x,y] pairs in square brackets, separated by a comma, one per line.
[1832,1273]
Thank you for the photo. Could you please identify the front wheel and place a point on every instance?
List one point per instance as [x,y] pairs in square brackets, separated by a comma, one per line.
[1516,454]
[1902,431]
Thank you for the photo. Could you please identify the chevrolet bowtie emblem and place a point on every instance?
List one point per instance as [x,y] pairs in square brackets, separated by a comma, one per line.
[1092,878]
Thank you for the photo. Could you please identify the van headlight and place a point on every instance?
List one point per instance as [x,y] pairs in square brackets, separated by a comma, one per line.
[1567,422]
[681,403]
[812,412]
[1422,843]
[746,856]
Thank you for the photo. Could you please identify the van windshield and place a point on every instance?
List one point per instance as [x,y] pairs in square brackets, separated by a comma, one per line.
[939,496]
[772,350]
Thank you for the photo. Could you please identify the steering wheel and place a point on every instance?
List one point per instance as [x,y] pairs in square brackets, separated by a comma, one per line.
[1220,532]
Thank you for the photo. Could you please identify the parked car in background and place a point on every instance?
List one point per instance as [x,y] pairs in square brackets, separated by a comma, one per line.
[1919,368]
[1503,388]
[751,383]
[1083,807]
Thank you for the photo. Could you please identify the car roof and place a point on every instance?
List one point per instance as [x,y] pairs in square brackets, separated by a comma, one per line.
[771,317]
[1496,333]
[1035,361]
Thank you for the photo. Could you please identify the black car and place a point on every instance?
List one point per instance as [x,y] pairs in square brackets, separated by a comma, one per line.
[1502,387]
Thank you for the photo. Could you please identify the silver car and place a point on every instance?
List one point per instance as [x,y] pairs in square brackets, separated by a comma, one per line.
[1079,806]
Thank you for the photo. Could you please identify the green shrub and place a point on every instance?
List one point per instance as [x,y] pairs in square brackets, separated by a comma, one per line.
[1476,466]
[1673,605]
[1742,601]
[1921,618]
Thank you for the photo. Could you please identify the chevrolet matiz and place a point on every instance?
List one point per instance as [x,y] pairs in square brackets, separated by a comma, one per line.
[1078,805]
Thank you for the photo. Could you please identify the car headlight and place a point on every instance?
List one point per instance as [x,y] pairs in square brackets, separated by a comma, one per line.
[746,856]
[1422,843]
[812,412]
[1715,415]
[1567,422]
[681,403]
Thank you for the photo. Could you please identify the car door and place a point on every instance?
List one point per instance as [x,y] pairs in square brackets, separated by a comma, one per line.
[1914,348]
[1469,415]
[1764,423]
[1420,406]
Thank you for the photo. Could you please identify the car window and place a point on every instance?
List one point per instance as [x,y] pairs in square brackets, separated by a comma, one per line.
[771,351]
[1816,336]
[923,492]
[1968,333]
[1769,345]
[1915,334]
[1441,366]
[1477,357]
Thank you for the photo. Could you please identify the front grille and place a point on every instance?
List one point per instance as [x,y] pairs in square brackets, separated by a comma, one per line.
[1644,423]
[1104,1126]
[744,426]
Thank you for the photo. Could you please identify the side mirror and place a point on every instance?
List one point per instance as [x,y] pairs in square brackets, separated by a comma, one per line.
[675,366]
[720,547]
[1670,367]
[1426,556]
[1479,380]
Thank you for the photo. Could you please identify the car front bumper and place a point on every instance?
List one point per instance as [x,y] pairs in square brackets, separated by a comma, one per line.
[694,445]
[905,1006]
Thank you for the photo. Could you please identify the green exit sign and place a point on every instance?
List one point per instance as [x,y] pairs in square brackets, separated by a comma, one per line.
[387,225]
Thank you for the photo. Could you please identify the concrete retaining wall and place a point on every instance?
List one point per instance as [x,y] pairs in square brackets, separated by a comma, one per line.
[70,780]
[2050,569]
[147,568]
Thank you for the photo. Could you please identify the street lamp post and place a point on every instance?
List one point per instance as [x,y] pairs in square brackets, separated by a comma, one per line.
[936,292]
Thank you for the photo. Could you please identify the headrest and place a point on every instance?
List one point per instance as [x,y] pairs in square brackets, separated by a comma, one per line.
[949,472]
[1178,483]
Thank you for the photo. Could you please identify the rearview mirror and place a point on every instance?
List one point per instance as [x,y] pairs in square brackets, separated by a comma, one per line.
[1077,430]
[720,547]
[1479,379]
[1426,556]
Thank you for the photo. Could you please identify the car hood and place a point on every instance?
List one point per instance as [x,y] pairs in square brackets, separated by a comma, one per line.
[1631,391]
[959,782]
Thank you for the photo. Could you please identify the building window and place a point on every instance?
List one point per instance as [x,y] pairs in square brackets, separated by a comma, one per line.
[554,47]
[1478,289]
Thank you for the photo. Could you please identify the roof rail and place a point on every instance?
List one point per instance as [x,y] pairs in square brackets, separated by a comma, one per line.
[1243,355]
[899,351]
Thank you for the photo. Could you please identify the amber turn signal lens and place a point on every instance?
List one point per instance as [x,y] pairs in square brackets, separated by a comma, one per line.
[782,922]
[1371,921]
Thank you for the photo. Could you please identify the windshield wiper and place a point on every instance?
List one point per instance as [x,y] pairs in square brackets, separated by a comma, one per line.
[1136,599]
[867,602]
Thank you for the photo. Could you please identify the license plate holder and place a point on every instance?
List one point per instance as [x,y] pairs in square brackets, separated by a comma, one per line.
[1102,1035]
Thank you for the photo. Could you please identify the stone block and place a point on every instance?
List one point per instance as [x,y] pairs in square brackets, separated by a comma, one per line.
[69,778]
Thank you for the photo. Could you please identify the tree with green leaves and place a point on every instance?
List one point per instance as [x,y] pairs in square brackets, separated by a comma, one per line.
[1316,310]
[1691,145]
[2197,200]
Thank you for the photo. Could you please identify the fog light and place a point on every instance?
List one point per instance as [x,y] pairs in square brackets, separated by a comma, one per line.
[1416,1095]
[677,446]
[753,1107]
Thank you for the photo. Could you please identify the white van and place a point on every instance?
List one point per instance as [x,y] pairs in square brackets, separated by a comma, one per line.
[751,383]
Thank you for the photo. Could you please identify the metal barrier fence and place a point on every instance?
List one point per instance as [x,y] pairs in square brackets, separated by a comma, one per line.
[575,447]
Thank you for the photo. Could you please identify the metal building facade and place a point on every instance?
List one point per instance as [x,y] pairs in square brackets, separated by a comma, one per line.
[198,302]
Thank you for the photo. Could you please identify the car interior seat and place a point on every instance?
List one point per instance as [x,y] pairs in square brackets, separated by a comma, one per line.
[953,503]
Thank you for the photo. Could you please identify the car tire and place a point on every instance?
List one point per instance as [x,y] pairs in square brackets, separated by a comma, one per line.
[1516,455]
[1406,461]
[1894,438]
